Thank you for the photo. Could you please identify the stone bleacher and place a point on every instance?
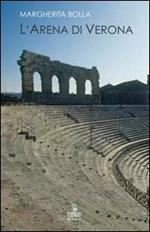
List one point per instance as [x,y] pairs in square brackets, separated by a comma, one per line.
[82,113]
[72,162]
[135,163]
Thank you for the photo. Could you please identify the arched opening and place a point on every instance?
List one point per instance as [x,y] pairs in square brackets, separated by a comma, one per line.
[37,85]
[55,84]
[72,86]
[88,87]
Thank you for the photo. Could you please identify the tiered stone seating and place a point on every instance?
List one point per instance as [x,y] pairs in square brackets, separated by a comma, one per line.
[90,113]
[59,169]
[81,177]
[134,129]
[133,164]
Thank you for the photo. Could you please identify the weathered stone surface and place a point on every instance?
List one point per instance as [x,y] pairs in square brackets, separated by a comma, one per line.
[31,62]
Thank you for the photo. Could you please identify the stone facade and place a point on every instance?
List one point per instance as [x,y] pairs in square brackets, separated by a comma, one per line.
[31,62]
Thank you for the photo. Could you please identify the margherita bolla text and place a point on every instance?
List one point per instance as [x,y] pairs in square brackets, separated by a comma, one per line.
[55,14]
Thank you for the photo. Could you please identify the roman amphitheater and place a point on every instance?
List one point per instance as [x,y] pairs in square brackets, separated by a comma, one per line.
[74,167]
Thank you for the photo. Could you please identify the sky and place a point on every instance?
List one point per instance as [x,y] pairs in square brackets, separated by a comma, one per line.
[118,58]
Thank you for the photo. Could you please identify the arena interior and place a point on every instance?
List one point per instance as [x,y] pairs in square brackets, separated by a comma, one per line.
[95,157]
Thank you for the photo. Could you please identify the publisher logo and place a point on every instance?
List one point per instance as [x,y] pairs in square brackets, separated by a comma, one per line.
[75,215]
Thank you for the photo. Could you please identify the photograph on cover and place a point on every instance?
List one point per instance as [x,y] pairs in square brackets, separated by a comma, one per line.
[74,116]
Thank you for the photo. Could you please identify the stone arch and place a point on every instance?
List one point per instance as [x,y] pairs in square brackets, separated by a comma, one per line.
[88,87]
[72,85]
[37,82]
[55,84]
[30,62]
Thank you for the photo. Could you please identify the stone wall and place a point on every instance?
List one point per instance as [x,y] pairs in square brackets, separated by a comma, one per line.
[31,62]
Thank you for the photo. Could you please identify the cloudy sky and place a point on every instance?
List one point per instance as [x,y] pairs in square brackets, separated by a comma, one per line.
[117,57]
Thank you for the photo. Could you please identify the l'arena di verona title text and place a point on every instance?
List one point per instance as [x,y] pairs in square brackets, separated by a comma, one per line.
[75,29]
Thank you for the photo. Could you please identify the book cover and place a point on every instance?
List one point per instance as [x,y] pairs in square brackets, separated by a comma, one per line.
[75,116]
